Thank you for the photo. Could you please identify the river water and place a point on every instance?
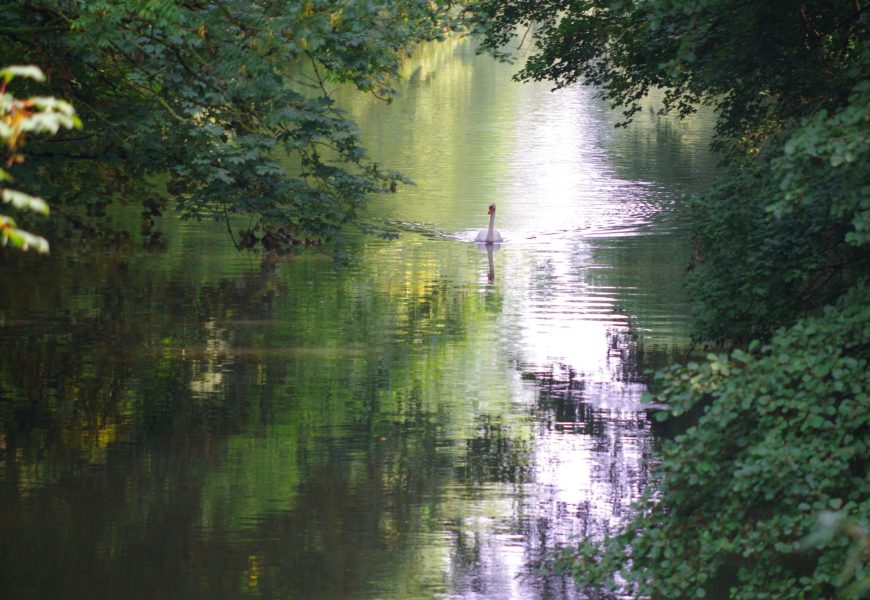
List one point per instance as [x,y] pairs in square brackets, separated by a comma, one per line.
[427,421]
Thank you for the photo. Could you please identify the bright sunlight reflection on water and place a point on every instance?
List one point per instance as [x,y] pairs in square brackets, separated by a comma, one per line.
[586,281]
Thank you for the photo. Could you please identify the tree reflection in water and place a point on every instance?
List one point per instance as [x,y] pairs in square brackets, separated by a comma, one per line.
[200,423]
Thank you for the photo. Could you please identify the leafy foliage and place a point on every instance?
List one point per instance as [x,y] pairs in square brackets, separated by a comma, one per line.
[230,97]
[17,119]
[827,157]
[781,256]
[755,61]
[786,231]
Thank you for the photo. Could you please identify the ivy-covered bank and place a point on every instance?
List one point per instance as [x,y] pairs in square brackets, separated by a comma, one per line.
[764,493]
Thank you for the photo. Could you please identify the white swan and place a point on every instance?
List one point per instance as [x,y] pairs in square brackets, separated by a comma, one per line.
[489,236]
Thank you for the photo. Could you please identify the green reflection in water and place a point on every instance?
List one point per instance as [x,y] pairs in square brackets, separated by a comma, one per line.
[198,423]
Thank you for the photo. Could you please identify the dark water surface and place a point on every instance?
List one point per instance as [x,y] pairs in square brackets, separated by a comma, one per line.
[428,422]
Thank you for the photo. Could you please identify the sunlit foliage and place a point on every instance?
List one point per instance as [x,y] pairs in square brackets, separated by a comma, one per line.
[231,98]
[18,118]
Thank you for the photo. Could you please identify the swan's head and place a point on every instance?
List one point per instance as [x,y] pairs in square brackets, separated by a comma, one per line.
[491,209]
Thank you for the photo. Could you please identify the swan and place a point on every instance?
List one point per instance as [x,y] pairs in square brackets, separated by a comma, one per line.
[489,236]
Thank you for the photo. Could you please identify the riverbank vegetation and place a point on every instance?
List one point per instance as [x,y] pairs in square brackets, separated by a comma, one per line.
[220,109]
[765,493]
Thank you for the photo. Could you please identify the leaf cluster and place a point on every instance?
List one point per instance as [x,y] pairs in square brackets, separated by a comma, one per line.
[232,98]
[754,61]
[827,156]
[18,118]
[785,232]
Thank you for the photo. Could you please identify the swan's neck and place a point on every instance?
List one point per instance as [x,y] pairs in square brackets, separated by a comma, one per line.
[489,236]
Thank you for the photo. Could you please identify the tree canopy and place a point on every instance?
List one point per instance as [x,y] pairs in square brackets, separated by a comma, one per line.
[755,61]
[228,99]
[781,245]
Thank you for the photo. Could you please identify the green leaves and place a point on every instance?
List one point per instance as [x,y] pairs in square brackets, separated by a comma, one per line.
[752,61]
[27,71]
[9,232]
[23,201]
[18,118]
[826,158]
[758,268]
[234,98]
[18,238]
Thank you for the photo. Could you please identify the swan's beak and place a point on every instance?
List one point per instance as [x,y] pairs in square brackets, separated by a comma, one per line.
[489,210]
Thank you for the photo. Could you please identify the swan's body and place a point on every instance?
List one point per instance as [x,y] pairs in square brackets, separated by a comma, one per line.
[489,236]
